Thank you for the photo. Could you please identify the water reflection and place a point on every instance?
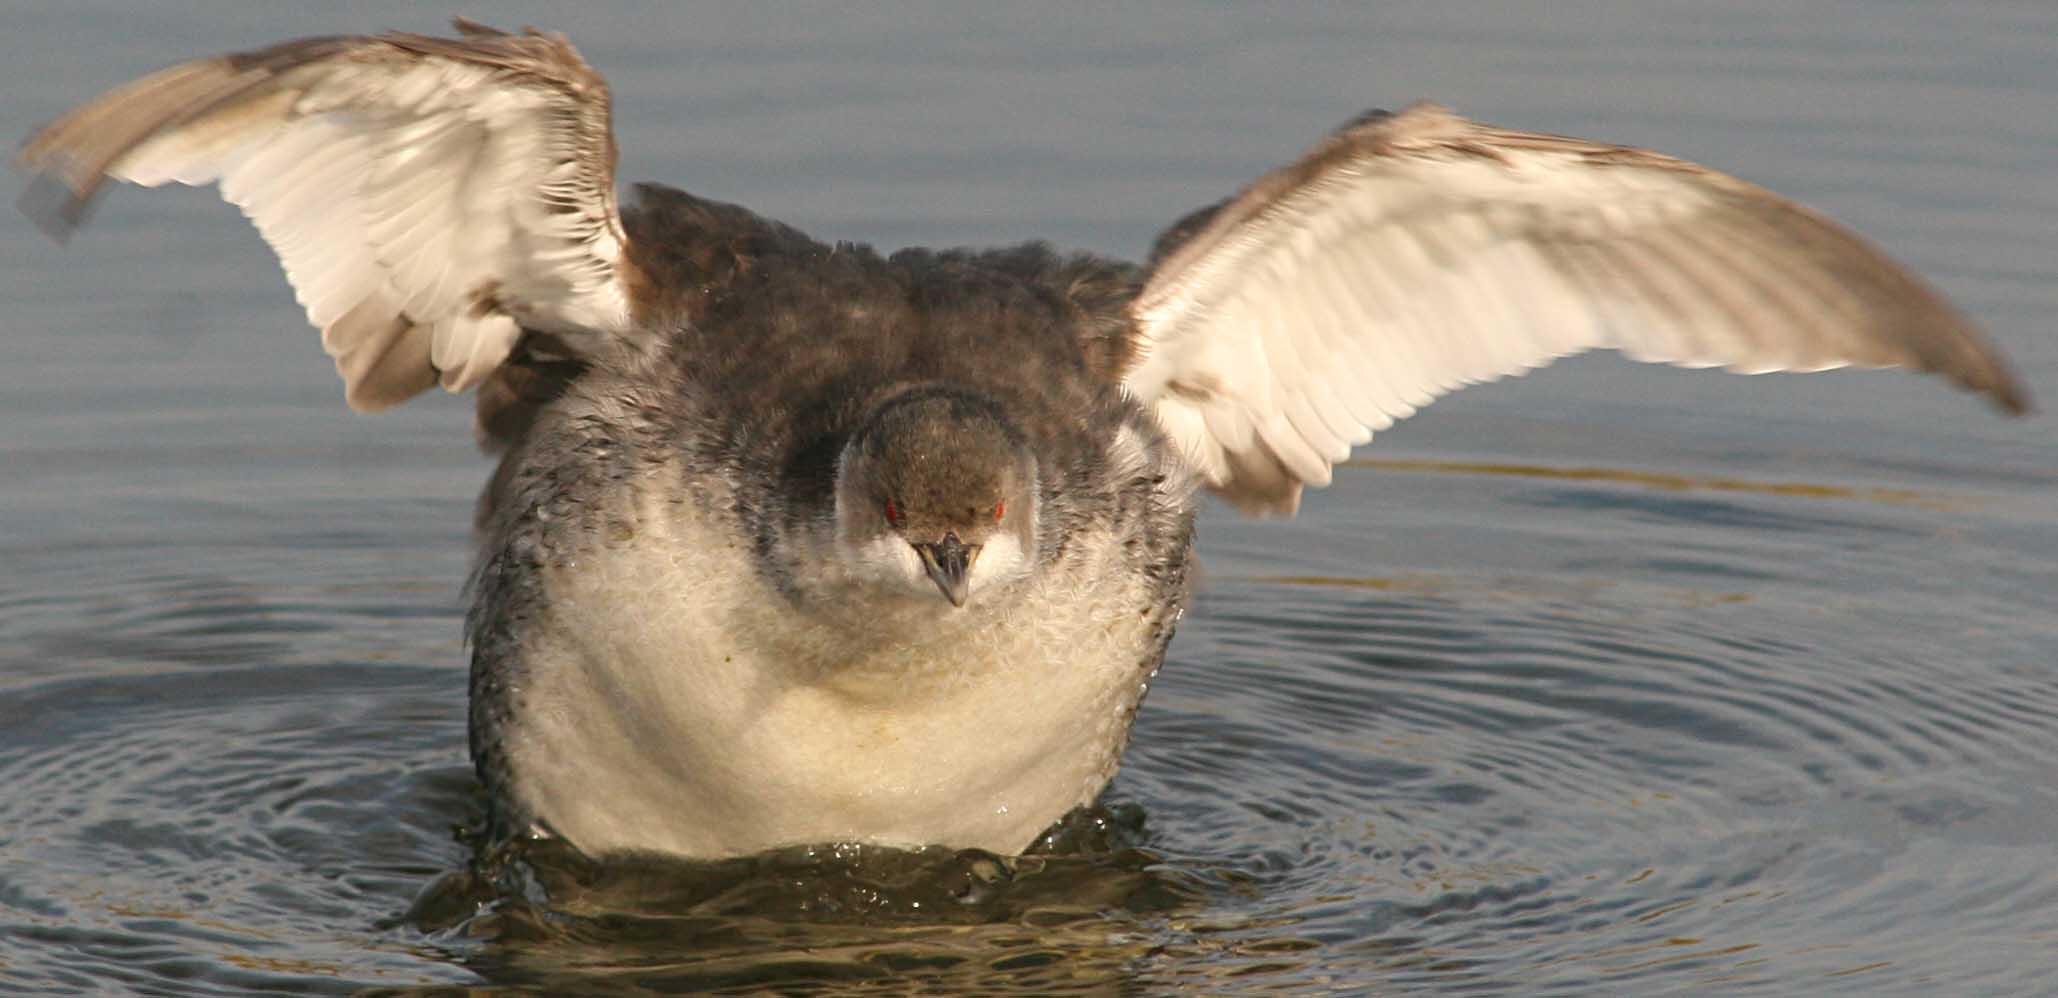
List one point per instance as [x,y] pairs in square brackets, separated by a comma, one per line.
[1664,481]
[538,914]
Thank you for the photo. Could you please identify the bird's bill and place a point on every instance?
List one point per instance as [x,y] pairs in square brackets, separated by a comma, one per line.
[949,562]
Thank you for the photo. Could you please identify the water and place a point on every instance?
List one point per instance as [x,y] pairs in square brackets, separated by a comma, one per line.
[1608,679]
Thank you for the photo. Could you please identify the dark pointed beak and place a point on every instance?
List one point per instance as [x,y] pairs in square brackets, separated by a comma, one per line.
[948,560]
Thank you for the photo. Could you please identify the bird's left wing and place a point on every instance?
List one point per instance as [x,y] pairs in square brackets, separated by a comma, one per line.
[429,197]
[1413,253]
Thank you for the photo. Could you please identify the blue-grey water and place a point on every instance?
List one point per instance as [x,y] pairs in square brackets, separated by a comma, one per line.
[1606,680]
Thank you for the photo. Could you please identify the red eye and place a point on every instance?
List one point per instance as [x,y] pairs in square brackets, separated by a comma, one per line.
[892,513]
[998,509]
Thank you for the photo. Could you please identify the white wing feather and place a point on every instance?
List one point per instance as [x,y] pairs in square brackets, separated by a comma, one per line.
[428,198]
[1412,254]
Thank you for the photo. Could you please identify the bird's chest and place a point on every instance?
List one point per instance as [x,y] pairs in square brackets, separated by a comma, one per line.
[676,702]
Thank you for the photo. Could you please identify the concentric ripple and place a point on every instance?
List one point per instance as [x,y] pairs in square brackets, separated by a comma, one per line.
[1470,787]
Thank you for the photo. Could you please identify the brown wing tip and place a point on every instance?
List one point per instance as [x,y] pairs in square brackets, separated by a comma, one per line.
[61,189]
[57,207]
[1971,361]
[2009,394]
[469,28]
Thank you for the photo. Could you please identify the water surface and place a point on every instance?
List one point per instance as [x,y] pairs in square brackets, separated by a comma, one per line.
[1608,679]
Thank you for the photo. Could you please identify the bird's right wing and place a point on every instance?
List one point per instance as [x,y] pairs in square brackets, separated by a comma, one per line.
[429,197]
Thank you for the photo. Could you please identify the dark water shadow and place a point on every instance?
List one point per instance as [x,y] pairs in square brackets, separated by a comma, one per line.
[537,914]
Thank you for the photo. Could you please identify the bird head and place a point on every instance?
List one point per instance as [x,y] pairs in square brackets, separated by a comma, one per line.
[936,494]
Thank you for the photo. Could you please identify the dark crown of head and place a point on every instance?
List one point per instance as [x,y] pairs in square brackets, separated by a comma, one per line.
[942,453]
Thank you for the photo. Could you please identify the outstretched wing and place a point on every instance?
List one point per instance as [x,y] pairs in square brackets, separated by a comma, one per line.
[1410,254]
[429,197]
